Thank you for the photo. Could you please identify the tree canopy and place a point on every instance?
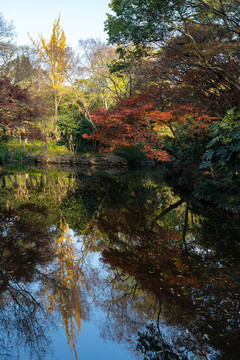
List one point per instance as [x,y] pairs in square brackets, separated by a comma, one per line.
[139,21]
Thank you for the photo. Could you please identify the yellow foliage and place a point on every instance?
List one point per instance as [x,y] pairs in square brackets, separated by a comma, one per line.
[55,54]
[57,58]
[65,297]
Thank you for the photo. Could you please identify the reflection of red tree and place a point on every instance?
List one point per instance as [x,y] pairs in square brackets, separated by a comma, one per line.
[28,243]
[155,258]
[197,292]
[160,267]
[158,259]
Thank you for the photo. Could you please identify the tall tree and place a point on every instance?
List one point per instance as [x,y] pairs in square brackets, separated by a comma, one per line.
[157,21]
[110,71]
[23,68]
[7,49]
[57,57]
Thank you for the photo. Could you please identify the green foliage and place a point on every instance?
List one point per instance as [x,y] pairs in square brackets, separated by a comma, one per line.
[19,155]
[55,149]
[186,146]
[67,124]
[13,150]
[35,147]
[3,153]
[72,129]
[140,21]
[136,21]
[128,56]
[72,125]
[223,149]
[132,154]
[85,127]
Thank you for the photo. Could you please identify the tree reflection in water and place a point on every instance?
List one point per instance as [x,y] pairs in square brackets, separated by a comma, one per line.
[40,267]
[24,245]
[65,294]
[176,265]
[170,286]
[154,346]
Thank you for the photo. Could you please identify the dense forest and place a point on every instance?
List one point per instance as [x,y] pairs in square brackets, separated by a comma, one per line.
[165,87]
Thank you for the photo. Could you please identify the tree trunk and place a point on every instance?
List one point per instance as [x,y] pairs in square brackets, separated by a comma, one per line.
[56,106]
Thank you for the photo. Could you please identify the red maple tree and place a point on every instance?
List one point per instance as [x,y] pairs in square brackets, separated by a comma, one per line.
[17,106]
[129,124]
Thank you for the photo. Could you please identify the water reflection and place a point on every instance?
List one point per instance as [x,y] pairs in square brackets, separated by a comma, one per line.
[169,282]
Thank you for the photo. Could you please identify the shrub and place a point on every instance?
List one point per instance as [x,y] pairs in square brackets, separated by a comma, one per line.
[3,153]
[223,149]
[187,146]
[132,154]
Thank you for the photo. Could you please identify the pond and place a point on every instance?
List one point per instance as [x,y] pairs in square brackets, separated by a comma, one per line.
[114,265]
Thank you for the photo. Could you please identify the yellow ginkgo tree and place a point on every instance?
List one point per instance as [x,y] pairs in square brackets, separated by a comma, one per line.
[57,59]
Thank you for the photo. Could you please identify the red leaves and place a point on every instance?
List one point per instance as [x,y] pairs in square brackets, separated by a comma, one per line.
[197,117]
[136,121]
[16,105]
[129,124]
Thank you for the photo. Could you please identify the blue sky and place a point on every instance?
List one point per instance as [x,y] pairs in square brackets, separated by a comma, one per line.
[80,19]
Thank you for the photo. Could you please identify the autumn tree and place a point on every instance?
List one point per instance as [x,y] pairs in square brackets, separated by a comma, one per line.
[194,67]
[156,22]
[92,79]
[57,58]
[98,80]
[110,71]
[17,108]
[196,46]
[142,121]
[100,86]
[128,125]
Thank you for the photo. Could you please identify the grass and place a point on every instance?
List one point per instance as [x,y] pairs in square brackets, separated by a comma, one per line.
[54,149]
[19,152]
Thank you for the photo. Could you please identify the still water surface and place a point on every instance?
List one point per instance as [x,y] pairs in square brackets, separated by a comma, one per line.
[114,266]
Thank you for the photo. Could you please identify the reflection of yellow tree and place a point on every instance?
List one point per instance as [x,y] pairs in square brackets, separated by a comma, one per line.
[40,189]
[20,181]
[65,296]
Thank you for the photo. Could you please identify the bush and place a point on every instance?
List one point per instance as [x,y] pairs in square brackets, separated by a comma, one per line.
[3,153]
[74,126]
[187,146]
[132,154]
[223,149]
[19,155]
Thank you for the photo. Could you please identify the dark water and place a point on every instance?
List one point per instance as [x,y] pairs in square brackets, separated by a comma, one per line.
[114,266]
